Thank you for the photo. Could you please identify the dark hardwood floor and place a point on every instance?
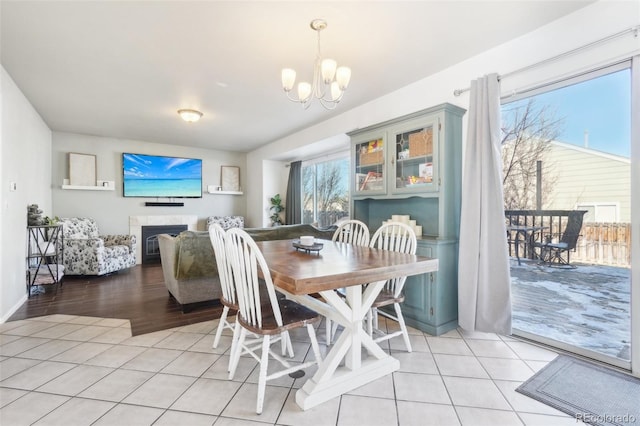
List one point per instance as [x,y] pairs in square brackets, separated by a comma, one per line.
[137,294]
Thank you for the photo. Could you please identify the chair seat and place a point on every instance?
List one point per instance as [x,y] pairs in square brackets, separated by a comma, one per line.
[293,315]
[562,246]
[228,304]
[386,297]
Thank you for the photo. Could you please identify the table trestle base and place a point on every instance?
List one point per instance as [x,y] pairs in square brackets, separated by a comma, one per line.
[343,381]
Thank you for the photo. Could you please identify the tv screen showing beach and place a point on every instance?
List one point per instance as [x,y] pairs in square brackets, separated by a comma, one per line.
[159,176]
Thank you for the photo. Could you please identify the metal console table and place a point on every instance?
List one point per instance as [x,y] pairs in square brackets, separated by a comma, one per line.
[44,258]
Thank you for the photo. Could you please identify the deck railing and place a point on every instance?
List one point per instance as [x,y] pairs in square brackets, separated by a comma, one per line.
[599,243]
[554,220]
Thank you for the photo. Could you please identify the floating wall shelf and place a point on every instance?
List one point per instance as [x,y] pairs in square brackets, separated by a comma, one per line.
[226,192]
[103,185]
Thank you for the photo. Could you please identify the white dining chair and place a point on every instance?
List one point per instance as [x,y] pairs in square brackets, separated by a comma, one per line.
[229,299]
[264,315]
[351,231]
[400,237]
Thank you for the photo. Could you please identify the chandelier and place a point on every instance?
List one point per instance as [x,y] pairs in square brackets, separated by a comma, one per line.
[329,80]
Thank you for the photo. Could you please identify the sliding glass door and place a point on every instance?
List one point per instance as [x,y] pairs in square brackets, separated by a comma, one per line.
[567,153]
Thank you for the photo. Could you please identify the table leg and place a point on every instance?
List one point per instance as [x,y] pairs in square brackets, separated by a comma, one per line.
[331,379]
[518,247]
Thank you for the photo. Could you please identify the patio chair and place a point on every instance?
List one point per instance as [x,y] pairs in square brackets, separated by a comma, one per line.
[271,319]
[555,249]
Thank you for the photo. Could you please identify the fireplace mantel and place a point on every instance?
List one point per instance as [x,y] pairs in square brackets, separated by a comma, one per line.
[137,222]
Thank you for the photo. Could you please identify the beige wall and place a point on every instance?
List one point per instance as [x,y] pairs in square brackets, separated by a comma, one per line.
[588,176]
[25,158]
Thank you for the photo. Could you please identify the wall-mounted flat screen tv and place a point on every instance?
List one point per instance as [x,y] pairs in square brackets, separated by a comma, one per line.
[160,176]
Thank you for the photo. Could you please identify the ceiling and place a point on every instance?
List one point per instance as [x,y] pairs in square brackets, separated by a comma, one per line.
[121,69]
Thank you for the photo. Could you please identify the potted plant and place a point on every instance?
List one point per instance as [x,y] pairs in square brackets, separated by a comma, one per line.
[276,209]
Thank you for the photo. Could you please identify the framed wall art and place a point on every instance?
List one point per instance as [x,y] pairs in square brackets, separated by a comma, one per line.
[230,178]
[82,169]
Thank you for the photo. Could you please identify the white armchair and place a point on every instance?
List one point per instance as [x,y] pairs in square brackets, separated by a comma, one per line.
[226,222]
[86,252]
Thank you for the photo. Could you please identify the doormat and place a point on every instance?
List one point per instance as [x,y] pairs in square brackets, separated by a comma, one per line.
[589,392]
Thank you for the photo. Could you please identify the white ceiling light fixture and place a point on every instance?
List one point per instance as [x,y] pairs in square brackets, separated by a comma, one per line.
[190,115]
[329,80]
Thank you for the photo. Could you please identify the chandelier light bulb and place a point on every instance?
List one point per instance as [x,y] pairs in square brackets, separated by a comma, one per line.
[329,81]
[343,76]
[328,70]
[304,91]
[288,79]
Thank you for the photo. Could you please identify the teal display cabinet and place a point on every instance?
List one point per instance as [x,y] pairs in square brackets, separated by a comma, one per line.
[412,165]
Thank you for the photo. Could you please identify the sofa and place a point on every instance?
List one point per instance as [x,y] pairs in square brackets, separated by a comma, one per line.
[189,266]
[86,252]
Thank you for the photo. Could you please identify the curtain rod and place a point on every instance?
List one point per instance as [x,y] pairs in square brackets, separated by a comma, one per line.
[633,30]
[327,157]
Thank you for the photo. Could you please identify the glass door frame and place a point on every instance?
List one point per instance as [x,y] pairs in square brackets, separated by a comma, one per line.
[632,63]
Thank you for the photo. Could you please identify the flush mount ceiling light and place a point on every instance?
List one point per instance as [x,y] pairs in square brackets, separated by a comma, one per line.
[190,115]
[329,80]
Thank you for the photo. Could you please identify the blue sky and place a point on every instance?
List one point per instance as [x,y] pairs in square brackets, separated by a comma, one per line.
[601,106]
[138,166]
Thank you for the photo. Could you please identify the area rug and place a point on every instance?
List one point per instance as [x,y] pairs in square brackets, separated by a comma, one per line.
[589,392]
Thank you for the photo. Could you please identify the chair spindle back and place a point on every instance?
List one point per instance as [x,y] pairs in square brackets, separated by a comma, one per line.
[352,232]
[246,260]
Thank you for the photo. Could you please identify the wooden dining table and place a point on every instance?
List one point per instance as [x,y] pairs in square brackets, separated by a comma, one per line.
[362,272]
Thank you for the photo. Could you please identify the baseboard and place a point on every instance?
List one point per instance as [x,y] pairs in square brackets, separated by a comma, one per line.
[13,309]
[434,330]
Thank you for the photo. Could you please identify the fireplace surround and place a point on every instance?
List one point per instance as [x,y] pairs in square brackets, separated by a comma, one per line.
[137,222]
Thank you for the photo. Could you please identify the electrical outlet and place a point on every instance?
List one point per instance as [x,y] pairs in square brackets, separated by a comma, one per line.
[13,186]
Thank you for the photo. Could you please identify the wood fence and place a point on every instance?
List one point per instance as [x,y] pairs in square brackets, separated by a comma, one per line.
[604,244]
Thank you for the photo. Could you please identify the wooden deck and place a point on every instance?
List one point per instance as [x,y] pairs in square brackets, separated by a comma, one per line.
[588,307]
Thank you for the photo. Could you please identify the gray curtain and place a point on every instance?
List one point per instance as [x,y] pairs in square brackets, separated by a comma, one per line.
[293,206]
[484,282]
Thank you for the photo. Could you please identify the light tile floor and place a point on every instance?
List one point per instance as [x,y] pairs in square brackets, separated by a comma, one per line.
[70,370]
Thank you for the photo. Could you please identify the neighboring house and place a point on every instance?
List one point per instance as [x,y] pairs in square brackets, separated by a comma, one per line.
[591,180]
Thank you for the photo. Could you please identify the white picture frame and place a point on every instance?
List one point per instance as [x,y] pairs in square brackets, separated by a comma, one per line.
[230,178]
[82,169]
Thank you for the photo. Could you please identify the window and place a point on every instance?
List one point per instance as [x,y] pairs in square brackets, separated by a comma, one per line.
[600,212]
[325,190]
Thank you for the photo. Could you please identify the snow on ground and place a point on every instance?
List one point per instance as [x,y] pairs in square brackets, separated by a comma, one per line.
[587,307]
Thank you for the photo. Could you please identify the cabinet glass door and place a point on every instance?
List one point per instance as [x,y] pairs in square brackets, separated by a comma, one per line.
[414,162]
[369,160]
